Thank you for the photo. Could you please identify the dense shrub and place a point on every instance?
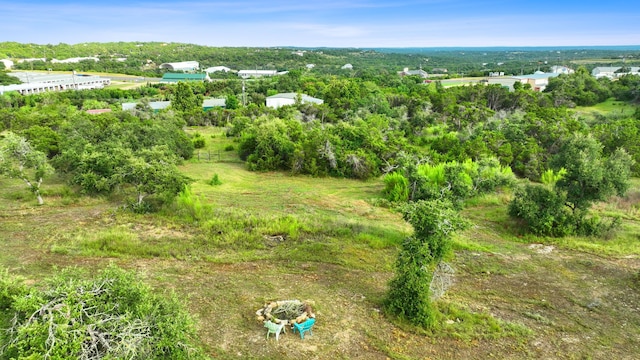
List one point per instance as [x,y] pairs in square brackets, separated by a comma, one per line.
[112,316]
[198,141]
[458,181]
[542,210]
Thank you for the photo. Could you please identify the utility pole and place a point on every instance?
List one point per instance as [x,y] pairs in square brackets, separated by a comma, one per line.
[244,97]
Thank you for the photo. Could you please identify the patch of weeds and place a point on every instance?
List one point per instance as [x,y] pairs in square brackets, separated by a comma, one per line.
[382,346]
[111,242]
[215,180]
[635,280]
[120,242]
[17,195]
[460,323]
[288,226]
[461,243]
[379,237]
[313,252]
[538,317]
[190,207]
[238,239]
[483,263]
[540,303]
[373,241]
[381,202]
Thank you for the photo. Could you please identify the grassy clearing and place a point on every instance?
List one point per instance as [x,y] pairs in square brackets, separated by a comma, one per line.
[610,106]
[229,248]
[124,85]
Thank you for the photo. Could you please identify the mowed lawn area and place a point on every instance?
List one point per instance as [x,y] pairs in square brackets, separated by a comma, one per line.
[257,237]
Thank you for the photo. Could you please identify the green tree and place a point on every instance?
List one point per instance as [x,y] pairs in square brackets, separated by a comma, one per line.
[184,99]
[18,159]
[6,79]
[153,171]
[232,102]
[590,176]
[582,177]
[434,223]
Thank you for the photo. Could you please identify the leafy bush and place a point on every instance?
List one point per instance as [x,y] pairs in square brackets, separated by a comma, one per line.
[10,287]
[215,180]
[491,175]
[396,187]
[112,316]
[458,181]
[198,141]
[584,176]
[542,210]
[190,207]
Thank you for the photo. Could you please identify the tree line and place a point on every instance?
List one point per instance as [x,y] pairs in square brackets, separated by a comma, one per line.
[366,127]
[143,58]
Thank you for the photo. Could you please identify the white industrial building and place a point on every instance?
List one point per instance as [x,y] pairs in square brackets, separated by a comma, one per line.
[278,100]
[257,73]
[181,66]
[538,80]
[216,69]
[74,60]
[611,72]
[35,83]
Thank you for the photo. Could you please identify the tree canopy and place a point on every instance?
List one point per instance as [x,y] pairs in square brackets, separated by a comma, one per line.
[18,159]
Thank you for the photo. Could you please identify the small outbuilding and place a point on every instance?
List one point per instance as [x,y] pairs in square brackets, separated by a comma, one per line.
[538,80]
[278,100]
[209,104]
[245,74]
[154,105]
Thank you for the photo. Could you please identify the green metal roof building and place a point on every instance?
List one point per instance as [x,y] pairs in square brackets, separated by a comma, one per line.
[177,77]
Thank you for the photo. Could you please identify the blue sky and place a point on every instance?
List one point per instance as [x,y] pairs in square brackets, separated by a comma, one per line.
[330,23]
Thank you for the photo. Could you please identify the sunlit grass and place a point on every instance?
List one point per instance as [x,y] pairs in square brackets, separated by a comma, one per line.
[611,106]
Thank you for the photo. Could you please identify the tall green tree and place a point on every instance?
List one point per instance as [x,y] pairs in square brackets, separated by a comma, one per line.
[184,99]
[18,159]
[434,223]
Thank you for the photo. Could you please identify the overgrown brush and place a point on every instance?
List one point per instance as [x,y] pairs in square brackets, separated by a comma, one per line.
[113,316]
